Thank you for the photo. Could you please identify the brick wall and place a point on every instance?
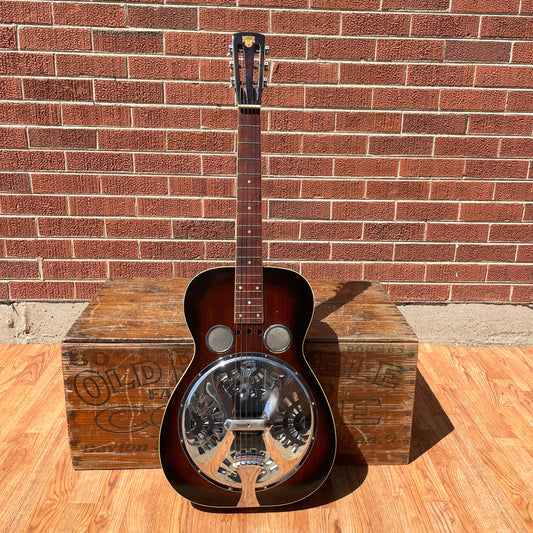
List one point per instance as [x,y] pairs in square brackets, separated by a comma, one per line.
[397,143]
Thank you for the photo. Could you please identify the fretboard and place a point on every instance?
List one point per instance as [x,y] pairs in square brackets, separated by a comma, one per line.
[249,253]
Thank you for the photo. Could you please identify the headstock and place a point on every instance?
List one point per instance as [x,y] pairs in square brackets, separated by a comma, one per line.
[248,65]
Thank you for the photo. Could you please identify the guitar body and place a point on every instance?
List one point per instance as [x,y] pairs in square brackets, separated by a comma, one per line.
[248,424]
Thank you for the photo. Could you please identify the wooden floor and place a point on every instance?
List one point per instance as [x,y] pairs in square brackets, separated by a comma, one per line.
[471,467]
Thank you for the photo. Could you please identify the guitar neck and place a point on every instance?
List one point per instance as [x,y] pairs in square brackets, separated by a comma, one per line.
[249,253]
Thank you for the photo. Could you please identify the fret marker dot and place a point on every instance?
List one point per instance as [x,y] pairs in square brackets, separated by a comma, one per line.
[258,315]
[240,287]
[249,302]
[249,231]
[257,288]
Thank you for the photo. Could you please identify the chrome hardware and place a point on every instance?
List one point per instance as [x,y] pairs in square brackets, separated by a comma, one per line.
[266,67]
[267,50]
[219,339]
[231,65]
[277,338]
[232,82]
[230,49]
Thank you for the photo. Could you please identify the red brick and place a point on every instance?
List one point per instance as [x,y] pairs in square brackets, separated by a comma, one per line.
[507,27]
[62,138]
[91,65]
[522,293]
[520,101]
[26,64]
[491,212]
[525,254]
[462,190]
[351,97]
[167,117]
[400,145]
[424,252]
[196,44]
[453,272]
[169,207]
[101,206]
[334,144]
[528,212]
[25,12]
[14,182]
[427,210]
[282,230]
[467,146]
[510,273]
[490,76]
[280,96]
[95,115]
[51,248]
[74,270]
[18,269]
[490,168]
[199,186]
[338,48]
[198,94]
[359,251]
[478,51]
[173,18]
[287,46]
[128,91]
[223,250]
[439,75]
[10,88]
[140,269]
[514,191]
[200,141]
[480,293]
[28,160]
[375,24]
[394,271]
[138,228]
[87,291]
[188,269]
[526,7]
[167,163]
[444,25]
[303,72]
[219,164]
[501,124]
[281,143]
[366,166]
[219,208]
[12,137]
[299,250]
[203,229]
[171,250]
[8,37]
[394,189]
[393,231]
[332,188]
[366,121]
[99,161]
[73,14]
[345,5]
[372,74]
[434,123]
[511,233]
[299,209]
[301,166]
[282,188]
[331,231]
[520,147]
[362,210]
[306,22]
[522,52]
[131,139]
[472,100]
[348,270]
[409,50]
[163,68]
[39,38]
[486,6]
[41,290]
[57,89]
[134,185]
[129,42]
[69,227]
[453,232]
[227,19]
[421,5]
[405,98]
[17,226]
[413,292]
[101,249]
[320,121]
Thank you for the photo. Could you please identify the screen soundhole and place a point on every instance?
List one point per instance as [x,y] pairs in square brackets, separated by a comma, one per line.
[219,339]
[277,338]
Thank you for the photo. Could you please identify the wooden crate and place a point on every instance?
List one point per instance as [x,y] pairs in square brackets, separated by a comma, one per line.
[125,353]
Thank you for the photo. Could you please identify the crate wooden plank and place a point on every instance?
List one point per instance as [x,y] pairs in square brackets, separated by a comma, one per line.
[125,353]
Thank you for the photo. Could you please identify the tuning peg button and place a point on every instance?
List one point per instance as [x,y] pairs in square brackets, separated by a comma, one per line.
[230,49]
[232,82]
[231,65]
[267,50]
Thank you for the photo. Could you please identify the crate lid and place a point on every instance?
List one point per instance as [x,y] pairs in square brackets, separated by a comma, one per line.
[150,310]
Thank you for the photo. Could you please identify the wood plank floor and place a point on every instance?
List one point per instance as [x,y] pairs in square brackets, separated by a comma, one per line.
[471,467]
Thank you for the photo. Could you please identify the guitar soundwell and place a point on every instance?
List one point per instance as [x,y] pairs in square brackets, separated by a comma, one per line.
[248,424]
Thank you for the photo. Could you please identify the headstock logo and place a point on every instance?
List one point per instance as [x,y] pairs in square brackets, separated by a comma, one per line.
[248,40]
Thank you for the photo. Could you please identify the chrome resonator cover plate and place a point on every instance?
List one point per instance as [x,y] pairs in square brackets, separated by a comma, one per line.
[247,409]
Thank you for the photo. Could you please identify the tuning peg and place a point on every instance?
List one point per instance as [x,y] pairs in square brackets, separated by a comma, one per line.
[266,67]
[267,50]
[231,65]
[230,49]
[265,83]
[232,82]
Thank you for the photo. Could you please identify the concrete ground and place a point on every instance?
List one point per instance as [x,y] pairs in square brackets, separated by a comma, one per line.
[451,324]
